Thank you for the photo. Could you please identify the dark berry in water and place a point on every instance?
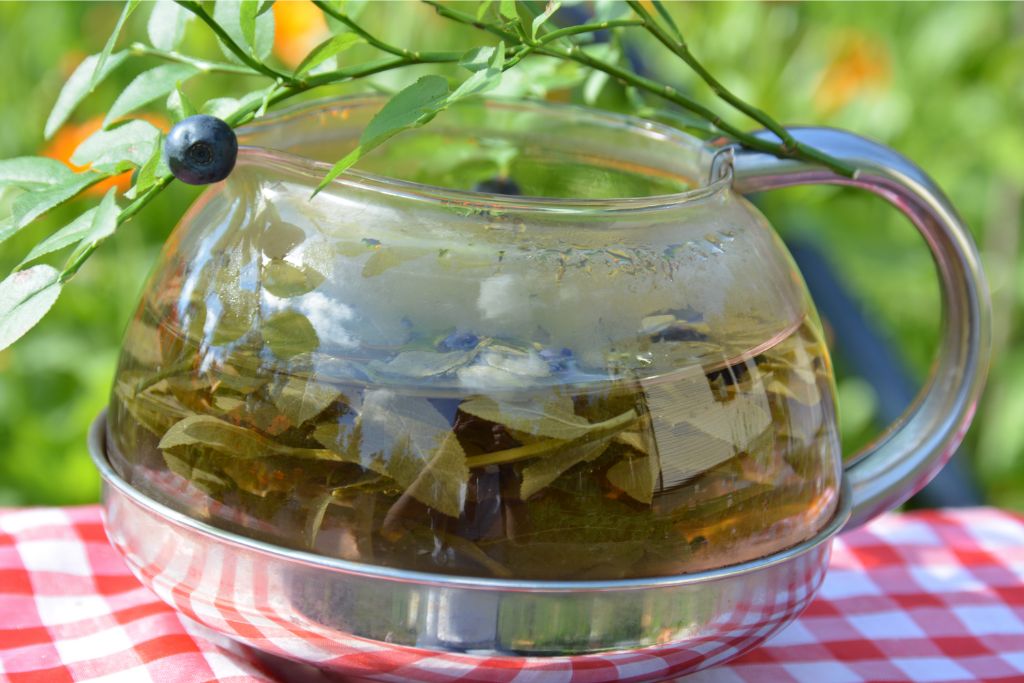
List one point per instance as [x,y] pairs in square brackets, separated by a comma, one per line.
[460,340]
[200,150]
[498,186]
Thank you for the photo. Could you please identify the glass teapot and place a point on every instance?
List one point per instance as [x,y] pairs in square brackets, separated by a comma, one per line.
[616,373]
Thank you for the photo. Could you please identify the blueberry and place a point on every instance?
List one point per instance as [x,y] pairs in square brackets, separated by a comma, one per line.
[498,186]
[200,150]
[459,340]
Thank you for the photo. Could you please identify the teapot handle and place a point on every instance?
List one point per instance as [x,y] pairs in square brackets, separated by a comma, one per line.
[915,447]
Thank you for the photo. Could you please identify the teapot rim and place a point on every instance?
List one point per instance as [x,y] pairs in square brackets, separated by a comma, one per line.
[718,171]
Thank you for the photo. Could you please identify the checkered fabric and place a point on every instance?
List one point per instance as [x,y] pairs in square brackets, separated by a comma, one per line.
[928,596]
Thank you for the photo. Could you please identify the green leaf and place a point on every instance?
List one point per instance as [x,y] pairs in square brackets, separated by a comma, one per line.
[477,58]
[148,86]
[7,228]
[25,297]
[223,107]
[301,400]
[98,72]
[154,169]
[540,19]
[327,49]
[507,9]
[554,418]
[68,235]
[77,87]
[247,23]
[289,333]
[31,205]
[133,142]
[280,238]
[483,79]
[238,442]
[284,279]
[407,439]
[265,6]
[228,13]
[33,173]
[689,419]
[482,8]
[167,22]
[668,19]
[179,105]
[102,225]
[237,312]
[542,471]
[638,477]
[412,106]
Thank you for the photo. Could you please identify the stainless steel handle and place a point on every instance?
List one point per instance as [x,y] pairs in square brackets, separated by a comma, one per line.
[914,448]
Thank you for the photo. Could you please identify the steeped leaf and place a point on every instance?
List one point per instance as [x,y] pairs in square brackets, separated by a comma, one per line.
[542,471]
[166,25]
[554,418]
[25,297]
[420,364]
[238,442]
[283,279]
[133,142]
[148,86]
[638,477]
[33,173]
[301,400]
[77,87]
[289,333]
[407,439]
[688,419]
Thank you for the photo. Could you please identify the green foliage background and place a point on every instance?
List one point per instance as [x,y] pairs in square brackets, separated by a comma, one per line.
[941,82]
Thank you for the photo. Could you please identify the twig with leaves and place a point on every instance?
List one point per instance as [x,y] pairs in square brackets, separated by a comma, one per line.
[245,31]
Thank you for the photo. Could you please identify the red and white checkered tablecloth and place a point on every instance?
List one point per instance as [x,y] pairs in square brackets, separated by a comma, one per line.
[928,596]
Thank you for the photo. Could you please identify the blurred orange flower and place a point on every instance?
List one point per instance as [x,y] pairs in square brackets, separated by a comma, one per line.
[861,62]
[299,26]
[71,135]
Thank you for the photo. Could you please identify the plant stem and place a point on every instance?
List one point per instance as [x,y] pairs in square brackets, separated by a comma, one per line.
[794,150]
[204,66]
[599,430]
[380,44]
[470,20]
[126,214]
[587,28]
[680,49]
[255,64]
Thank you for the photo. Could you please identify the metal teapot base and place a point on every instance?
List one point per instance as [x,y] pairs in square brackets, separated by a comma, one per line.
[385,624]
